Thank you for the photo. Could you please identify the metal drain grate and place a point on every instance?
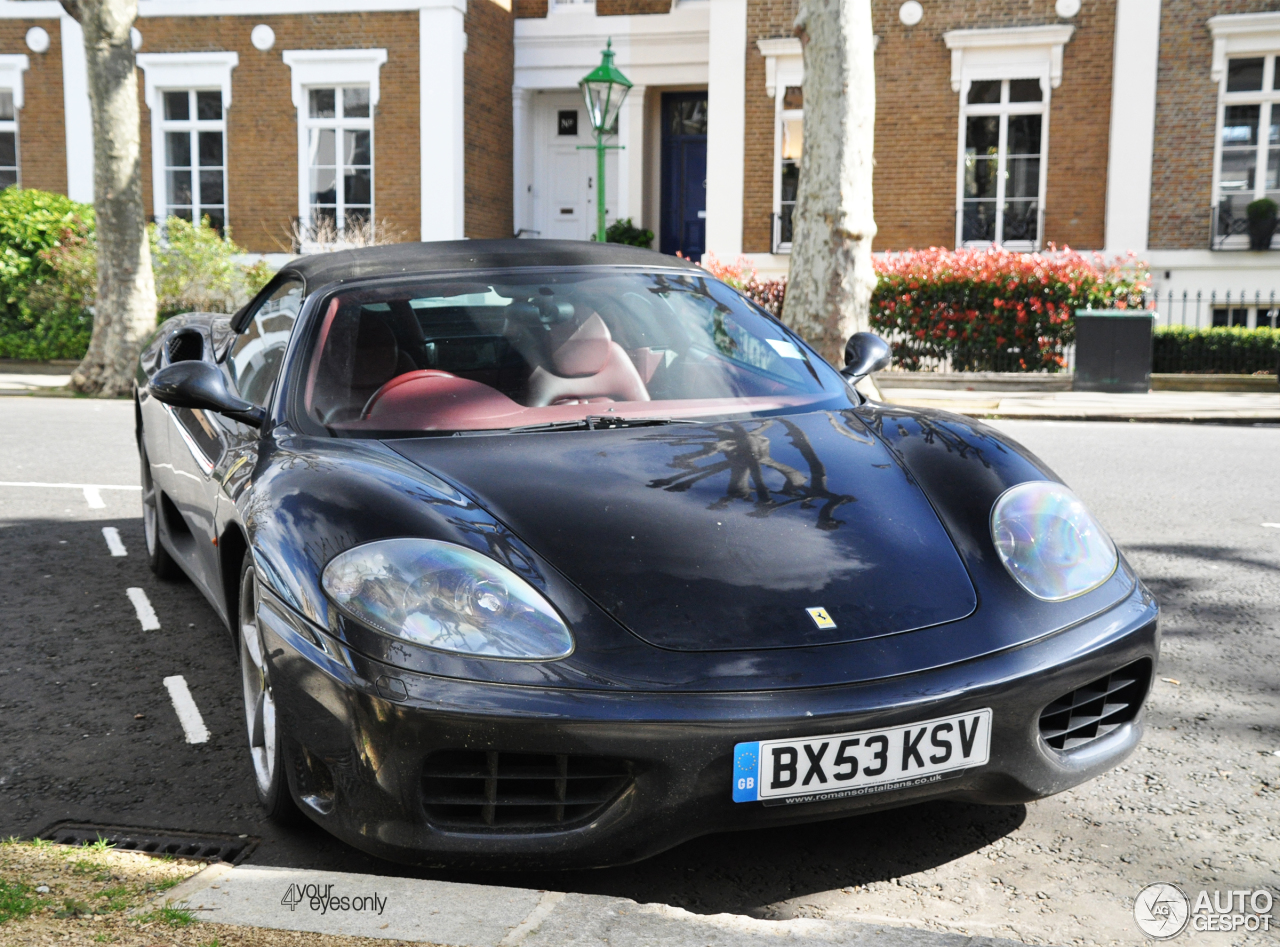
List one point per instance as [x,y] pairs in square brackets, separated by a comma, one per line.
[206,846]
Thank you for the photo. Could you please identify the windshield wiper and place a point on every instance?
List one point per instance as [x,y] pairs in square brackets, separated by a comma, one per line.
[594,422]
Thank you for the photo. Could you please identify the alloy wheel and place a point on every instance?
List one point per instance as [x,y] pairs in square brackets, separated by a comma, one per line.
[259,703]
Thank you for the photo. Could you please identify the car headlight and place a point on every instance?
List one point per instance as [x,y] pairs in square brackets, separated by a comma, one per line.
[447,597]
[1049,542]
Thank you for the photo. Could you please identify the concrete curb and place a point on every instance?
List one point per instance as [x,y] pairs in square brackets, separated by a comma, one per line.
[469,915]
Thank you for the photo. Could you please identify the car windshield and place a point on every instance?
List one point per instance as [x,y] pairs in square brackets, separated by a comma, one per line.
[530,348]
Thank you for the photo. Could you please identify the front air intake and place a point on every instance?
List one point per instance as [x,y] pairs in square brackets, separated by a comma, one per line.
[518,792]
[1091,712]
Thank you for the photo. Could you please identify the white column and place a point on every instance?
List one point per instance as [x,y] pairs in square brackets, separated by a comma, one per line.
[441,44]
[1133,124]
[521,160]
[631,157]
[726,126]
[75,109]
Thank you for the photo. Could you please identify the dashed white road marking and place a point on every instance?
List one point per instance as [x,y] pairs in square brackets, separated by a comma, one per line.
[112,536]
[185,707]
[142,605]
[68,486]
[93,496]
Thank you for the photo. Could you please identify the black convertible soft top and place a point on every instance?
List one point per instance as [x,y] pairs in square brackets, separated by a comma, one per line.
[433,257]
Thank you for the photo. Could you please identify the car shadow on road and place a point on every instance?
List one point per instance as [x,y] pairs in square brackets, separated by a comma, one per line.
[753,872]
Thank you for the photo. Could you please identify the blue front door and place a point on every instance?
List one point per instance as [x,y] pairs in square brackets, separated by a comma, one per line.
[684,174]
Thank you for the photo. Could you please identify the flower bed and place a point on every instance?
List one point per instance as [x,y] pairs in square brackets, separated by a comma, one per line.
[994,309]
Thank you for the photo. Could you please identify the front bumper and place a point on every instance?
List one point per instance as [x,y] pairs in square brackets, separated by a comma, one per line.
[358,734]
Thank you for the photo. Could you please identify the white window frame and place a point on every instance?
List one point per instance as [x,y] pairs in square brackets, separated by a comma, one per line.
[1025,52]
[783,67]
[185,72]
[11,69]
[327,69]
[1243,36]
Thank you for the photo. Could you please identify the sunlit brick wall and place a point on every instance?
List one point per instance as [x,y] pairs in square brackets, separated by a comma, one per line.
[42,139]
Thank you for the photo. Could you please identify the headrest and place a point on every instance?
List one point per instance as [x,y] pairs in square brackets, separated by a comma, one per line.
[376,353]
[580,351]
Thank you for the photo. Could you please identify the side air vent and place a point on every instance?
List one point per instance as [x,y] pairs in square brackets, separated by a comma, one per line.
[186,347]
[518,792]
[1091,712]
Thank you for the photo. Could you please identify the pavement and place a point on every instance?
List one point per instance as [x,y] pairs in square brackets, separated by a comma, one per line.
[471,915]
[89,731]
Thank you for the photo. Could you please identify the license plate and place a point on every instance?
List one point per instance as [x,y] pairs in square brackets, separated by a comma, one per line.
[812,769]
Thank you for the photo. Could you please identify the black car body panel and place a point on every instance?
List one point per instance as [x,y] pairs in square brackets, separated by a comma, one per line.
[680,557]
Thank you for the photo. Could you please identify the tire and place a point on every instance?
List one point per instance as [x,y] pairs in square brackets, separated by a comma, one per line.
[158,558]
[266,749]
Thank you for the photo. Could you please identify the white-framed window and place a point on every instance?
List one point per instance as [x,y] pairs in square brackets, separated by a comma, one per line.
[339,126]
[1004,77]
[9,168]
[1002,164]
[336,94]
[1247,152]
[188,95]
[193,131]
[784,80]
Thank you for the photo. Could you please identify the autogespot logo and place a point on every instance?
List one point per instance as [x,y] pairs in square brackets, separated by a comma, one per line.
[321,898]
[1161,911]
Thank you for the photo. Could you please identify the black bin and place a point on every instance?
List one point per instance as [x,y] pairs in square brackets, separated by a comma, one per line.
[1113,350]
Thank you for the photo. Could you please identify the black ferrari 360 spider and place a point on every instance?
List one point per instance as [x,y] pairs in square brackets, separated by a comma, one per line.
[543,553]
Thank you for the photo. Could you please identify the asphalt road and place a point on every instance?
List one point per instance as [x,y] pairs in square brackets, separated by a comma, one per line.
[88,732]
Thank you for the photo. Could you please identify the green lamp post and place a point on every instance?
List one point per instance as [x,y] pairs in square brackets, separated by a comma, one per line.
[604,89]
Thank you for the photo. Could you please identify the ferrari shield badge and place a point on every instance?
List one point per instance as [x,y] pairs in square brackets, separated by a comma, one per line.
[820,617]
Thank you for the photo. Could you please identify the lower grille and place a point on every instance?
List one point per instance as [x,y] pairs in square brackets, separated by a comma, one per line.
[518,791]
[1091,712]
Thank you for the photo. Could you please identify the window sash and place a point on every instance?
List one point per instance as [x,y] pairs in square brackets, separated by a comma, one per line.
[200,176]
[990,207]
[342,167]
[11,173]
[1229,202]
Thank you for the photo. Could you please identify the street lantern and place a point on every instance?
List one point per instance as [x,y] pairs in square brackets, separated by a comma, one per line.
[604,89]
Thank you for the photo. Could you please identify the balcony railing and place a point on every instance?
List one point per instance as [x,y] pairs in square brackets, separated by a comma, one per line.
[1228,231]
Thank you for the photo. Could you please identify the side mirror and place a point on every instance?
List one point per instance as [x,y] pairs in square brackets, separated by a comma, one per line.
[865,353]
[197,384]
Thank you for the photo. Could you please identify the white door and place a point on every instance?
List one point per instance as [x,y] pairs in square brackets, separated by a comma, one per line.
[564,173]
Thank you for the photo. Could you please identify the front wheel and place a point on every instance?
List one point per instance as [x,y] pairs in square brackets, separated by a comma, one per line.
[265,747]
[158,557]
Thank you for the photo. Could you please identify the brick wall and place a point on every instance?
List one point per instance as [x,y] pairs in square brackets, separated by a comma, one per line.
[42,141]
[262,123]
[529,9]
[489,68]
[917,122]
[1186,120]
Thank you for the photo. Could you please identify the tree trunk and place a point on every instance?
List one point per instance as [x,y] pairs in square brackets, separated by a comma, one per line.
[831,280]
[125,311]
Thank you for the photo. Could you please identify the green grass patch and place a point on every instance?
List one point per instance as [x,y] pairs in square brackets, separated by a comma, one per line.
[16,900]
[171,915]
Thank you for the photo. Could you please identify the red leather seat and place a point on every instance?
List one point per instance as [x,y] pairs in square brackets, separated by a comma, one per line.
[586,366]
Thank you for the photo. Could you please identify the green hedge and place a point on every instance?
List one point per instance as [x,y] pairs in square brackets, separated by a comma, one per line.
[1220,350]
[32,222]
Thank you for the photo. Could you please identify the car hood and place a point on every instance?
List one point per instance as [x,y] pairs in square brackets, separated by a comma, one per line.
[722,536]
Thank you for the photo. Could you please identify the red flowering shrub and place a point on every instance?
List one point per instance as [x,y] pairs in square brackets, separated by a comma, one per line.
[742,276]
[994,309]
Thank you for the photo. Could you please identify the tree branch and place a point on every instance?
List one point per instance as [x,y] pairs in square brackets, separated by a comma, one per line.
[73,9]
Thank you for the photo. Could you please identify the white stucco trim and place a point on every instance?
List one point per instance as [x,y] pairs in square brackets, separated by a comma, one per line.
[52,10]
[988,53]
[783,62]
[1242,33]
[442,43]
[31,10]
[78,121]
[11,69]
[203,70]
[521,162]
[1131,146]
[726,126]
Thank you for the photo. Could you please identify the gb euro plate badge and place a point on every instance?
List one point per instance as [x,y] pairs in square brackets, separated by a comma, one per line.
[839,765]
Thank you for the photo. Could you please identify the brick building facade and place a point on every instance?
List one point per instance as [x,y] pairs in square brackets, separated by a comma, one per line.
[1113,125]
